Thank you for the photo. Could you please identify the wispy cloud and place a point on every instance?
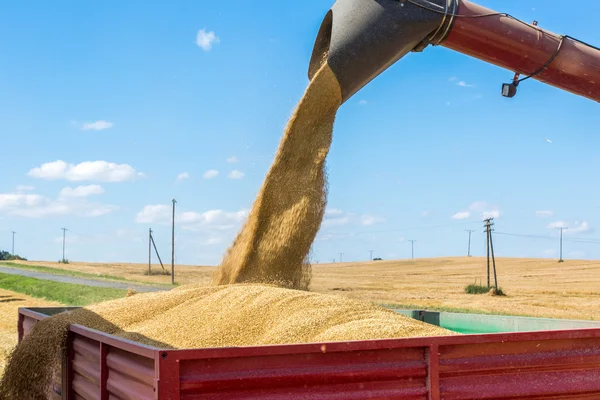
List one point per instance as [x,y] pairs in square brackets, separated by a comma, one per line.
[205,40]
[210,174]
[363,102]
[544,213]
[197,222]
[81,191]
[461,215]
[482,208]
[232,160]
[24,188]
[97,125]
[464,84]
[235,174]
[183,176]
[369,220]
[70,202]
[101,171]
[572,228]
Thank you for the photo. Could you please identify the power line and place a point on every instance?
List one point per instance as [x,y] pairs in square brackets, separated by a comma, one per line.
[572,240]
[404,229]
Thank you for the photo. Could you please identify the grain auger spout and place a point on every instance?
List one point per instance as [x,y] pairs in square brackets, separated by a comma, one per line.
[362,38]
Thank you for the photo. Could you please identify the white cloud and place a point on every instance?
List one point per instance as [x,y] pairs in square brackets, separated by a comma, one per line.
[335,217]
[232,160]
[573,228]
[81,191]
[9,200]
[369,220]
[210,174]
[453,79]
[485,210]
[425,214]
[36,206]
[211,241]
[97,125]
[235,174]
[544,213]
[24,188]
[333,212]
[101,171]
[182,176]
[206,39]
[464,84]
[363,102]
[153,214]
[190,220]
[490,214]
[216,219]
[557,225]
[462,215]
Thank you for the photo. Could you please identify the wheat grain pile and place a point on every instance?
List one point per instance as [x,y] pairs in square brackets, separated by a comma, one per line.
[253,301]
[199,316]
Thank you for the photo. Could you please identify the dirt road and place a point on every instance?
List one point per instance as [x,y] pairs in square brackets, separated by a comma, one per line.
[79,281]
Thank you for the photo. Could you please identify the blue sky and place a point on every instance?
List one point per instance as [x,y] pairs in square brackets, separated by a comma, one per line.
[104,105]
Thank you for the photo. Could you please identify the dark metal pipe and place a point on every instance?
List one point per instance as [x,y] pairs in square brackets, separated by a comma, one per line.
[525,48]
[361,38]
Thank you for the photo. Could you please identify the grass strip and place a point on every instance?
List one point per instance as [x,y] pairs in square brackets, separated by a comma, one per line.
[64,293]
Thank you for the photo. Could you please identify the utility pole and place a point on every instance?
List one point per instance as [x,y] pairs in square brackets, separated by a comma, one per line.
[173,247]
[371,251]
[489,223]
[562,228]
[412,243]
[13,243]
[150,252]
[470,232]
[64,237]
[341,255]
[493,260]
[487,226]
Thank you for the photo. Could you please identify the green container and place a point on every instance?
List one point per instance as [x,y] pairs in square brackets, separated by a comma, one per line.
[482,324]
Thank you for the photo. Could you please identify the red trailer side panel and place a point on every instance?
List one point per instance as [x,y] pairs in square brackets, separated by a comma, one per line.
[534,365]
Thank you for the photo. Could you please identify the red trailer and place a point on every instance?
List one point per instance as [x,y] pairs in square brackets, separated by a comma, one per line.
[532,365]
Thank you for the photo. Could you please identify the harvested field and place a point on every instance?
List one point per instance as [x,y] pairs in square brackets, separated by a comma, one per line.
[535,287]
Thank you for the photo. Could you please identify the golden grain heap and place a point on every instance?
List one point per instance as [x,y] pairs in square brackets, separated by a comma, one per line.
[252,301]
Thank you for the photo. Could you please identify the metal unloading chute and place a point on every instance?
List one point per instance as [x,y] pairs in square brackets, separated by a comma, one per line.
[362,38]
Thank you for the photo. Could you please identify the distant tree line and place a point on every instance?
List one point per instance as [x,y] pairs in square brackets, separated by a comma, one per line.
[6,256]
